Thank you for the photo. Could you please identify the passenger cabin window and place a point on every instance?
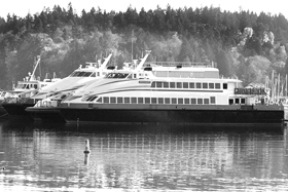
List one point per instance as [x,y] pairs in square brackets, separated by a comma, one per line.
[230,101]
[186,101]
[106,99]
[211,85]
[243,101]
[154,100]
[167,100]
[172,84]
[180,101]
[192,85]
[237,100]
[126,100]
[147,100]
[133,100]
[206,101]
[212,100]
[205,85]
[119,100]
[225,85]
[159,84]
[160,100]
[193,101]
[179,85]
[185,85]
[140,100]
[113,100]
[174,101]
[217,85]
[200,101]
[198,85]
[166,85]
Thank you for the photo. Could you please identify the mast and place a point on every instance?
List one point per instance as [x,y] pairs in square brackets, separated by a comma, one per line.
[107,59]
[143,60]
[32,77]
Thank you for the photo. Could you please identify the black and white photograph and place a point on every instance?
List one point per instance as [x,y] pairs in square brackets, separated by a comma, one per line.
[143,96]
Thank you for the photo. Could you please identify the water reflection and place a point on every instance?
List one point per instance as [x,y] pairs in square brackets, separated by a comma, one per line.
[151,157]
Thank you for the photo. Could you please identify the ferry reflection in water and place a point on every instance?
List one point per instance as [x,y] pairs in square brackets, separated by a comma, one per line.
[138,157]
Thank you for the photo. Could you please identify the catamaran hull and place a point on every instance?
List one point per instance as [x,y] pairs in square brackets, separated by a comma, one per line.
[46,114]
[2,111]
[245,117]
[17,109]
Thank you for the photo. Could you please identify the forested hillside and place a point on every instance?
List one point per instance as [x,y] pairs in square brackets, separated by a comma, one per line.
[243,44]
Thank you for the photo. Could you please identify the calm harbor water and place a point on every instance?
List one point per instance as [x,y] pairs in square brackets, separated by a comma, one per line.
[38,157]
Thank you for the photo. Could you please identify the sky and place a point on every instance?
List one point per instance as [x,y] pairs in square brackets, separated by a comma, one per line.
[23,7]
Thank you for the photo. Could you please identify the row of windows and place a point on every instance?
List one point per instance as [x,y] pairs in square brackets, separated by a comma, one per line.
[155,100]
[237,101]
[188,85]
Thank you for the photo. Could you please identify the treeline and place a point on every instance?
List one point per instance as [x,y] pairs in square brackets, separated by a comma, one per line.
[242,44]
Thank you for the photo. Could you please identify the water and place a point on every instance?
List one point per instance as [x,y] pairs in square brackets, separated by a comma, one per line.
[37,157]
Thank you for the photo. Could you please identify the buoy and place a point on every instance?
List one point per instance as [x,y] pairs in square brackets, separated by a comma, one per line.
[87,147]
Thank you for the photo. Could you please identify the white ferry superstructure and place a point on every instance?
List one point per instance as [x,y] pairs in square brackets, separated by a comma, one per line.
[172,99]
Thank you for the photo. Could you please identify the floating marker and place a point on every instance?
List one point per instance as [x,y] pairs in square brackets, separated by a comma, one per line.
[87,147]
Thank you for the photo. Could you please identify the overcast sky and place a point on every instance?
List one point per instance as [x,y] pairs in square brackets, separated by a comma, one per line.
[23,7]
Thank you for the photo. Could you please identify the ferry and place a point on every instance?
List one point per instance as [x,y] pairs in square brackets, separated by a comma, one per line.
[198,97]
[14,101]
[17,105]
[46,108]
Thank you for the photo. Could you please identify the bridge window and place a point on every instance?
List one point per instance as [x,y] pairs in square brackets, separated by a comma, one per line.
[217,85]
[225,85]
[243,101]
[231,102]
